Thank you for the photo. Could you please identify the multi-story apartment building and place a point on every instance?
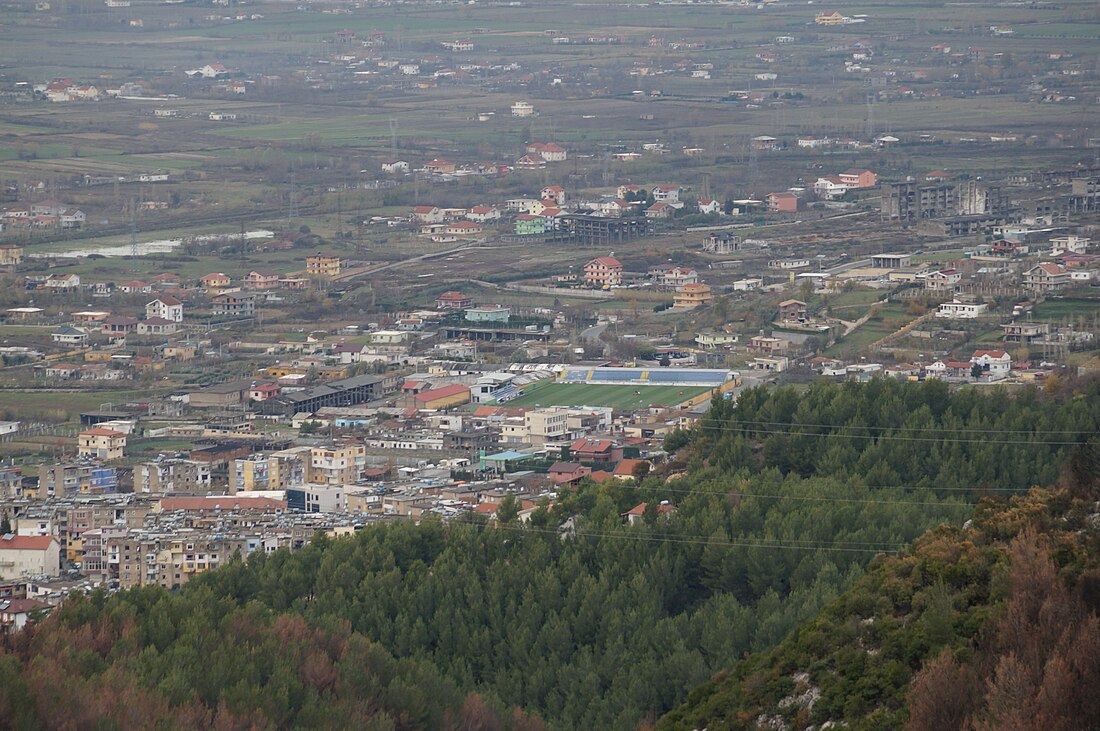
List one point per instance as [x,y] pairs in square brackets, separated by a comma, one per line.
[270,471]
[168,560]
[172,475]
[235,304]
[77,519]
[322,266]
[71,478]
[336,465]
[603,271]
[317,498]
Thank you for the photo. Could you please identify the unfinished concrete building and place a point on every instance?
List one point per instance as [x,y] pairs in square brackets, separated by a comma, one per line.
[905,202]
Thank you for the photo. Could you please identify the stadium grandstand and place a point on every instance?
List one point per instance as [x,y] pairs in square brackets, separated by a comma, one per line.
[625,388]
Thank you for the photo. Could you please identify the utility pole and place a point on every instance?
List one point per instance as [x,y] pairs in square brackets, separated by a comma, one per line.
[339,215]
[870,115]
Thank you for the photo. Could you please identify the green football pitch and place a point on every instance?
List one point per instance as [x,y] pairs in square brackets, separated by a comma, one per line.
[627,396]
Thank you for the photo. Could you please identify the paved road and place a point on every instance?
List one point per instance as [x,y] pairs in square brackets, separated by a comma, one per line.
[393,265]
[592,334]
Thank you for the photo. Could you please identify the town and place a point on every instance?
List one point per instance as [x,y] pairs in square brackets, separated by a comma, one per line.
[289,282]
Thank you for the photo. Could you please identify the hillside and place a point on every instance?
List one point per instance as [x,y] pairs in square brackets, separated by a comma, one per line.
[991,626]
[580,619]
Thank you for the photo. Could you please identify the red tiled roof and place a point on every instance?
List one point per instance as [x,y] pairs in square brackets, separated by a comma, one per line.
[591,445]
[607,261]
[568,467]
[625,468]
[101,432]
[639,509]
[26,543]
[21,606]
[444,392]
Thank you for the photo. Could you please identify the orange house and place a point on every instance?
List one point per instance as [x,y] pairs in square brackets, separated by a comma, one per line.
[784,203]
[215,280]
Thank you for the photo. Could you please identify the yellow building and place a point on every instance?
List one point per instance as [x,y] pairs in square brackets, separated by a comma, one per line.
[99,443]
[11,255]
[322,266]
[692,295]
[324,372]
[274,471]
[833,18]
[215,280]
[74,548]
[442,398]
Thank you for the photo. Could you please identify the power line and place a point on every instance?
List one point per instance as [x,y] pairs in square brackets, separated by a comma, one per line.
[914,428]
[817,498]
[792,544]
[924,487]
[897,437]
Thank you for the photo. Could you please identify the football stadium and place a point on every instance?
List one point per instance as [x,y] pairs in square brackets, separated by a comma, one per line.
[629,388]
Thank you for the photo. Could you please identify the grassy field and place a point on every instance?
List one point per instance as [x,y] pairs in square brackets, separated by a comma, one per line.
[56,406]
[890,318]
[1059,310]
[618,397]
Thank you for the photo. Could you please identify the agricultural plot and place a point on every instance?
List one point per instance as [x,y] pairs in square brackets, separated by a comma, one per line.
[1066,309]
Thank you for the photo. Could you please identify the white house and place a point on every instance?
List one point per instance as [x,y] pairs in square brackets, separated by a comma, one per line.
[548,151]
[72,218]
[523,109]
[956,310]
[68,335]
[943,280]
[667,193]
[395,166]
[1069,244]
[63,281]
[483,214]
[614,208]
[428,214]
[995,364]
[168,308]
[710,206]
[830,186]
[29,556]
[209,71]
